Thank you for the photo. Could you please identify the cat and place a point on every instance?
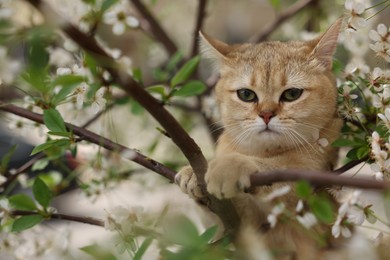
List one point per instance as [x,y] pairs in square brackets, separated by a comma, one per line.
[278,104]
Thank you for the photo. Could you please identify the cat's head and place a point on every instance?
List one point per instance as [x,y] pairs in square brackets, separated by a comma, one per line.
[275,95]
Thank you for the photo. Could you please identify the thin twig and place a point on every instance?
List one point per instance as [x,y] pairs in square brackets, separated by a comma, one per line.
[98,115]
[96,139]
[200,15]
[320,179]
[350,165]
[155,27]
[85,220]
[21,169]
[280,19]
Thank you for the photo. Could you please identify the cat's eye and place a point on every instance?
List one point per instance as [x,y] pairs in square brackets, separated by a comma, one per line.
[246,95]
[291,94]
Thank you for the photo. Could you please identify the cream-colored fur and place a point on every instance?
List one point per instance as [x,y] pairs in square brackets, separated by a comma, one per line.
[290,140]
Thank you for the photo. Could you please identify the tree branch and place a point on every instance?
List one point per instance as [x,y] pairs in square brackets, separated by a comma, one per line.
[85,220]
[96,139]
[155,27]
[320,179]
[21,169]
[349,165]
[200,14]
[280,19]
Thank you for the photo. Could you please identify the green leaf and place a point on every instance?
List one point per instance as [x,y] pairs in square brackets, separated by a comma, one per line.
[68,83]
[136,108]
[303,189]
[174,61]
[185,72]
[275,3]
[107,4]
[341,142]
[42,193]
[209,234]
[40,164]
[142,249]
[50,144]
[53,120]
[6,159]
[352,154]
[26,222]
[183,232]
[97,252]
[191,88]
[158,89]
[64,134]
[22,202]
[363,152]
[137,75]
[322,209]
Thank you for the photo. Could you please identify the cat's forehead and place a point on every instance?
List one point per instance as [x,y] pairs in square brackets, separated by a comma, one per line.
[269,64]
[276,52]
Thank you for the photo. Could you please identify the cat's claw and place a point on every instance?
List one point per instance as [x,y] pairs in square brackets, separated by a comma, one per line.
[187,182]
[228,177]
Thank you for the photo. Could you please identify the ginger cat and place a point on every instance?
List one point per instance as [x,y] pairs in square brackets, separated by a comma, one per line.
[277,100]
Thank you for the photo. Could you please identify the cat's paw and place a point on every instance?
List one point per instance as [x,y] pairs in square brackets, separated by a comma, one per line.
[187,182]
[229,175]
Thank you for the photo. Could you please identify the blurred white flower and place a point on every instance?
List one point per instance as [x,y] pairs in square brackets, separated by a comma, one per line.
[272,218]
[355,9]
[80,92]
[307,220]
[120,20]
[5,209]
[385,117]
[121,218]
[357,66]
[299,206]
[99,102]
[9,68]
[277,193]
[382,50]
[60,57]
[339,228]
[380,35]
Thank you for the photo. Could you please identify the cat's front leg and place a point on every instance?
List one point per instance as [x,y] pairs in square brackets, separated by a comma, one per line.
[229,174]
[186,179]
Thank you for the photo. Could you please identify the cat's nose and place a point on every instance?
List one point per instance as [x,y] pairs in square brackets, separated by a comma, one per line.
[266,115]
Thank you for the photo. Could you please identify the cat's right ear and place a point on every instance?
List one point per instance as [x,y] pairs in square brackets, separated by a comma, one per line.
[213,49]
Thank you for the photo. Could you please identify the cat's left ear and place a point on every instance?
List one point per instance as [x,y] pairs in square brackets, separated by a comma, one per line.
[325,45]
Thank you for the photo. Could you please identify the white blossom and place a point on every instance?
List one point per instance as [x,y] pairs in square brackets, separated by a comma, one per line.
[307,220]
[277,193]
[385,117]
[119,20]
[338,228]
[355,9]
[80,92]
[272,218]
[99,102]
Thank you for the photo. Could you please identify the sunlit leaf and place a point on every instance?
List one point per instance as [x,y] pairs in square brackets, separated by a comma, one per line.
[50,144]
[6,159]
[42,193]
[142,249]
[185,72]
[192,88]
[53,120]
[322,209]
[40,164]
[22,202]
[107,4]
[26,222]
[97,252]
[303,189]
